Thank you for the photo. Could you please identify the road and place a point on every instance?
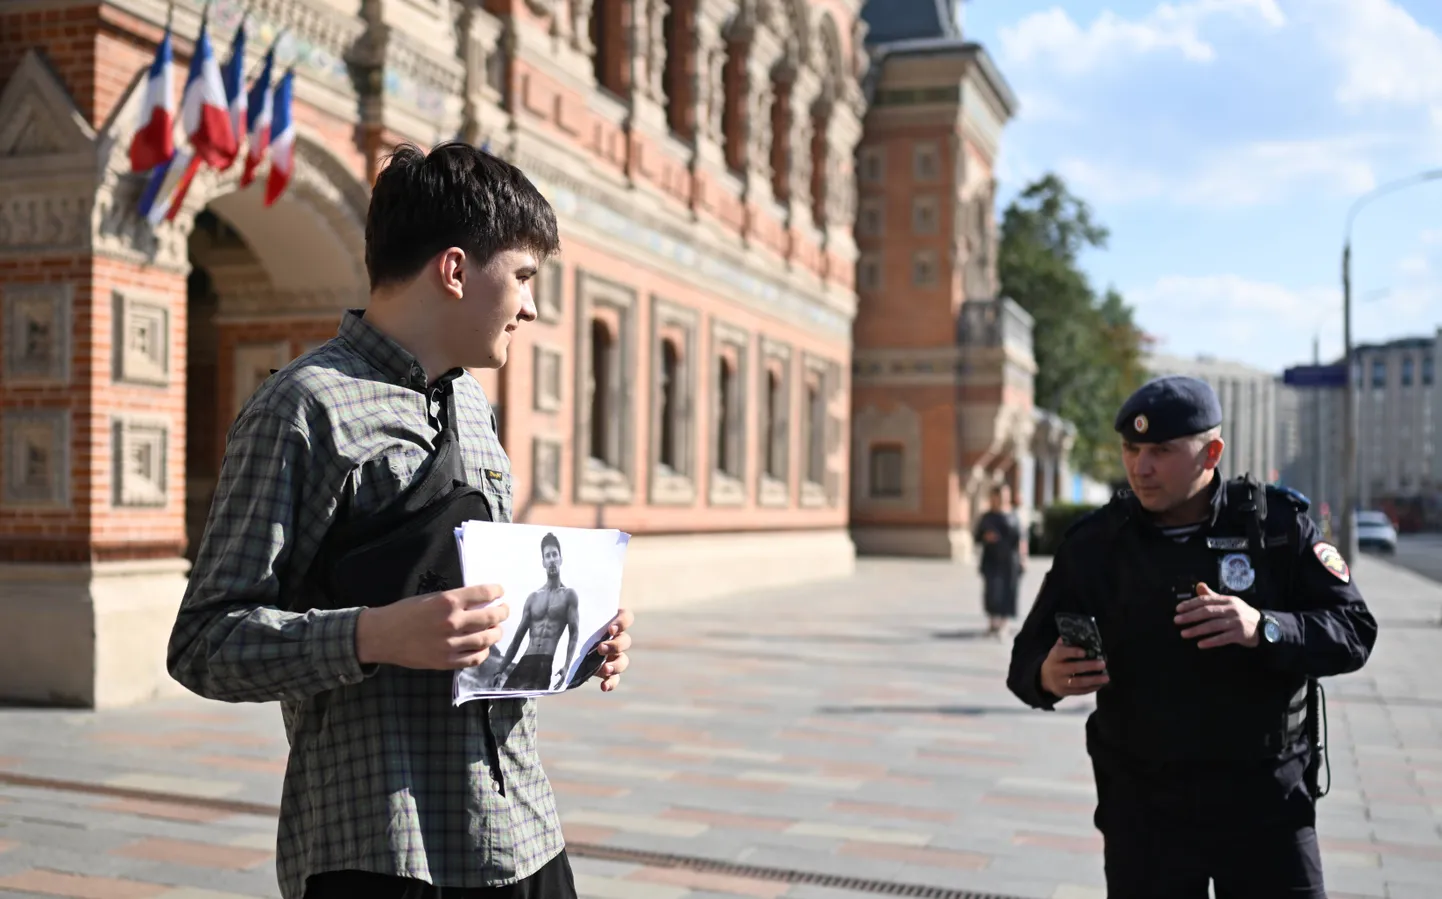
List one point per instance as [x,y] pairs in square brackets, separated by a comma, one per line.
[830,742]
[1421,553]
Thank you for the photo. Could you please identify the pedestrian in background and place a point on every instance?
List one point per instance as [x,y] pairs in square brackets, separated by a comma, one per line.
[1003,559]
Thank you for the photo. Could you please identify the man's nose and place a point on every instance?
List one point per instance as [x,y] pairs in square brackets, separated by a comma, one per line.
[528,307]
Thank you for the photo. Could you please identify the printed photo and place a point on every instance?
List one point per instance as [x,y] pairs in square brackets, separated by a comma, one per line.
[563,586]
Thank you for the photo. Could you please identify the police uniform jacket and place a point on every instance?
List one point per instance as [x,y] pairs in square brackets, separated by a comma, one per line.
[1168,700]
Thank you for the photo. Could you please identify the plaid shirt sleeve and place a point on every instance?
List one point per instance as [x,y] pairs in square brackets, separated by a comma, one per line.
[232,641]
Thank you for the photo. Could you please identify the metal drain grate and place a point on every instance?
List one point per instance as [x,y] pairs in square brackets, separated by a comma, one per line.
[782,875]
[582,850]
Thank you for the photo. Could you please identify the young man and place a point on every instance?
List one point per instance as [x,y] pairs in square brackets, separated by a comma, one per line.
[389,790]
[1217,603]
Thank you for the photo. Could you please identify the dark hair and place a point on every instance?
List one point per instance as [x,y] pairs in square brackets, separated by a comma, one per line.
[454,196]
[552,540]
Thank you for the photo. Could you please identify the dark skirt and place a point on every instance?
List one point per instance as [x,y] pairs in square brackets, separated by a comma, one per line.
[1000,590]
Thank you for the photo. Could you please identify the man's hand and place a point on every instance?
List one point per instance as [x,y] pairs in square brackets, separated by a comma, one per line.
[1066,671]
[1224,619]
[614,649]
[437,631]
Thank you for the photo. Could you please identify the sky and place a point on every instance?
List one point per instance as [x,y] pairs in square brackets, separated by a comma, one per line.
[1222,143]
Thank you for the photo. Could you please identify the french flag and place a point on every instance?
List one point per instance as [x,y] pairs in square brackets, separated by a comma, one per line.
[166,187]
[154,142]
[234,77]
[204,111]
[282,147]
[258,116]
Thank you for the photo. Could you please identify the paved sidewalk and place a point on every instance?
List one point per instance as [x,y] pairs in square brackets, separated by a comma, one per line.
[860,728]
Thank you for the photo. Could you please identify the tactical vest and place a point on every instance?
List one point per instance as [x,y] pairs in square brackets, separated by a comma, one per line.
[1168,700]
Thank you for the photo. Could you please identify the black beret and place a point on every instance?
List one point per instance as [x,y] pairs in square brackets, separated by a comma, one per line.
[1167,408]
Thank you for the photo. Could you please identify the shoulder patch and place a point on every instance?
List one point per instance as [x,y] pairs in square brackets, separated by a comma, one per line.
[494,475]
[1331,559]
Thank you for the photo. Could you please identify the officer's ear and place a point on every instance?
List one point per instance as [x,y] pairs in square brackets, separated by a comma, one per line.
[1212,451]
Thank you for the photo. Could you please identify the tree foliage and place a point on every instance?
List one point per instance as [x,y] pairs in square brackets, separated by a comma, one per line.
[1088,348]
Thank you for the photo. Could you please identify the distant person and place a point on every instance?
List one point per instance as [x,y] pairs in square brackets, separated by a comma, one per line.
[550,612]
[1003,559]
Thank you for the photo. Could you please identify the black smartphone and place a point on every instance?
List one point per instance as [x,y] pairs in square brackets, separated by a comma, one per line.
[1081,631]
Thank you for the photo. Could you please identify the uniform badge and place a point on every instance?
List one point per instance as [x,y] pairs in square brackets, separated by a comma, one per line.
[1331,559]
[1140,424]
[493,474]
[1237,572]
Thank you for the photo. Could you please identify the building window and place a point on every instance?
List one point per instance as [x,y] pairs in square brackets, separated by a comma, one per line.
[670,405]
[605,359]
[868,276]
[871,220]
[1426,371]
[677,29]
[886,471]
[924,215]
[925,163]
[609,59]
[726,461]
[781,140]
[733,107]
[1407,371]
[872,162]
[1379,372]
[923,269]
[815,434]
[728,435]
[603,350]
[775,427]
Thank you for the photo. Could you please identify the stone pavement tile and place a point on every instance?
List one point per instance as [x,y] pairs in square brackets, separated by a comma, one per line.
[728,819]
[185,786]
[61,837]
[589,887]
[916,856]
[716,883]
[168,810]
[655,826]
[874,810]
[228,763]
[859,834]
[80,886]
[1091,844]
[567,789]
[194,854]
[198,893]
[1361,881]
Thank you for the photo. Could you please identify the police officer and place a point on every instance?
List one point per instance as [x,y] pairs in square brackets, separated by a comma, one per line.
[1216,605]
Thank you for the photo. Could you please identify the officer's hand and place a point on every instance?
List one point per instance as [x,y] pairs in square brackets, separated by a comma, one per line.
[1223,619]
[614,649]
[436,631]
[1066,672]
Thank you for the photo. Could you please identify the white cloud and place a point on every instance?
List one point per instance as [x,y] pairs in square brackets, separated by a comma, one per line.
[1245,175]
[1385,55]
[1054,37]
[1270,325]
[1414,265]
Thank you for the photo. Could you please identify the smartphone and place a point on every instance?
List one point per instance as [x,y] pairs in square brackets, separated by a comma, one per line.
[1081,631]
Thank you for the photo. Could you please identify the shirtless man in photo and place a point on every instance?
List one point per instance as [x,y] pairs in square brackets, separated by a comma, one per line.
[550,612]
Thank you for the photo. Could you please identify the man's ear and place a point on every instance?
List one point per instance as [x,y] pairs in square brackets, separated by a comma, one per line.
[1213,452]
[451,267]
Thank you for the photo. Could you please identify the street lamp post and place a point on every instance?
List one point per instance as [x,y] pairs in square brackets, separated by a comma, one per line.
[1347,533]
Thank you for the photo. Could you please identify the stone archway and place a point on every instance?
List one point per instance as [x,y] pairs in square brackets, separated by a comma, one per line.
[93,523]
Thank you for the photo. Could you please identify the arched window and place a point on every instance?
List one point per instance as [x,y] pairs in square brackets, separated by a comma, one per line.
[775,428]
[781,139]
[603,427]
[670,403]
[678,29]
[609,46]
[733,108]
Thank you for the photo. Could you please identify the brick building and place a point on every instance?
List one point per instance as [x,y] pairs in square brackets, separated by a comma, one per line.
[942,384]
[688,380]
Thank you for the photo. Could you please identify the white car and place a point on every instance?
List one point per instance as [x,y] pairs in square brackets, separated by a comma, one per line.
[1375,531]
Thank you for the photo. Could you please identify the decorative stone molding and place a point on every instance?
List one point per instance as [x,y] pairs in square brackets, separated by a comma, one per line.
[37,325]
[140,347]
[581,27]
[545,470]
[774,438]
[252,365]
[674,484]
[41,129]
[872,428]
[36,458]
[139,450]
[653,43]
[546,388]
[728,415]
[35,223]
[550,299]
[483,56]
[596,480]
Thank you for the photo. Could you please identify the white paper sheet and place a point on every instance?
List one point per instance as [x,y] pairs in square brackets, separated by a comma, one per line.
[570,578]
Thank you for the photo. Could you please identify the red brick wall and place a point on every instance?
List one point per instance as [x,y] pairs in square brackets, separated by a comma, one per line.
[66,39]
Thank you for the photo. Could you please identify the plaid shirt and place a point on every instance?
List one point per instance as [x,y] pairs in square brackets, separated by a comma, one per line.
[384,774]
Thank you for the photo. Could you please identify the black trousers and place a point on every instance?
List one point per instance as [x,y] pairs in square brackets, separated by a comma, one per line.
[1250,834]
[552,881]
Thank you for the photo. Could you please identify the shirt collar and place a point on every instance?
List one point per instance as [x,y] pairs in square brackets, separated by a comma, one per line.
[391,359]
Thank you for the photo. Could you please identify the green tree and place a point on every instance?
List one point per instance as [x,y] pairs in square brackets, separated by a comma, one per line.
[1088,349]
